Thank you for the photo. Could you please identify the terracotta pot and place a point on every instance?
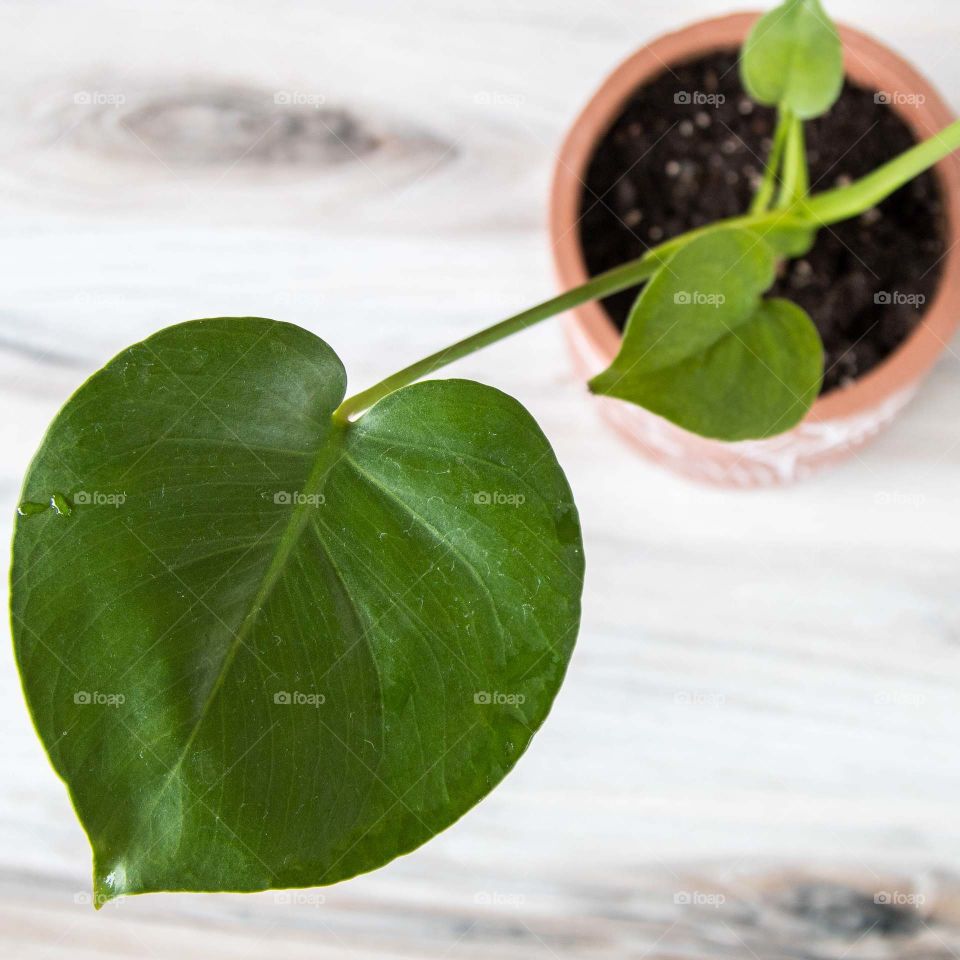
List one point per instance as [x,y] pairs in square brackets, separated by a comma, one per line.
[839,422]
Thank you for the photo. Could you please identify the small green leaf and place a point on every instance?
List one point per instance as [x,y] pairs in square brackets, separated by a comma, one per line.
[269,649]
[755,383]
[793,58]
[703,350]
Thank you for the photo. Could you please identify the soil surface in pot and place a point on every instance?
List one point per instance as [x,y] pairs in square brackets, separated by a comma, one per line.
[689,148]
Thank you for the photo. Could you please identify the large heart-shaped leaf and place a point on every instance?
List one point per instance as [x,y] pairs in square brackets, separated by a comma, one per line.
[265,648]
[793,58]
[703,350]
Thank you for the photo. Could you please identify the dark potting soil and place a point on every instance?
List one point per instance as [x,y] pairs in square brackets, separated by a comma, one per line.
[689,149]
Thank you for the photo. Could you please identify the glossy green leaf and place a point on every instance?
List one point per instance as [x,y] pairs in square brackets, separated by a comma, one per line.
[264,648]
[703,350]
[793,58]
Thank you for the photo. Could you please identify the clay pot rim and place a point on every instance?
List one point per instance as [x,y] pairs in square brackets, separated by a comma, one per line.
[867,62]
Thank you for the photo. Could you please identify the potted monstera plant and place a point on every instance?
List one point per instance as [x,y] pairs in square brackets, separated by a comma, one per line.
[273,637]
[686,132]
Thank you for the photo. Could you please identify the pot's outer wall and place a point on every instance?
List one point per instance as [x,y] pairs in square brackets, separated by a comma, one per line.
[839,422]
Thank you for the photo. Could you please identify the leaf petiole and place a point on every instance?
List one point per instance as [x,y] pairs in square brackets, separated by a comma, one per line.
[764,195]
[627,275]
[842,203]
[796,178]
[826,208]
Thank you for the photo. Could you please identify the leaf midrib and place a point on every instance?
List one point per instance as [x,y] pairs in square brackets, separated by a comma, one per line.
[289,538]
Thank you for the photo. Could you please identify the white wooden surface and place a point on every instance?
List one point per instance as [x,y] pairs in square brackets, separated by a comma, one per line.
[764,681]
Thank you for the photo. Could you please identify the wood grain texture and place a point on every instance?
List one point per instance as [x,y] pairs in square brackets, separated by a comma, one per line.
[763,702]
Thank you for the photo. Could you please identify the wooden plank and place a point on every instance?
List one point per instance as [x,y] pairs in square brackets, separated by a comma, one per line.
[702,911]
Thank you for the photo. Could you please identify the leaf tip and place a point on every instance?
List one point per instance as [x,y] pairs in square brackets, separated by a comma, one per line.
[600,384]
[109,882]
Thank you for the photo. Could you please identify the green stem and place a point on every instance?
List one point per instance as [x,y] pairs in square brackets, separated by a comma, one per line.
[630,274]
[613,281]
[796,178]
[843,203]
[764,195]
[824,209]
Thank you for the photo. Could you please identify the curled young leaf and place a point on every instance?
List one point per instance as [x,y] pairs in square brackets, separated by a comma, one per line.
[793,58]
[266,648]
[702,348]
